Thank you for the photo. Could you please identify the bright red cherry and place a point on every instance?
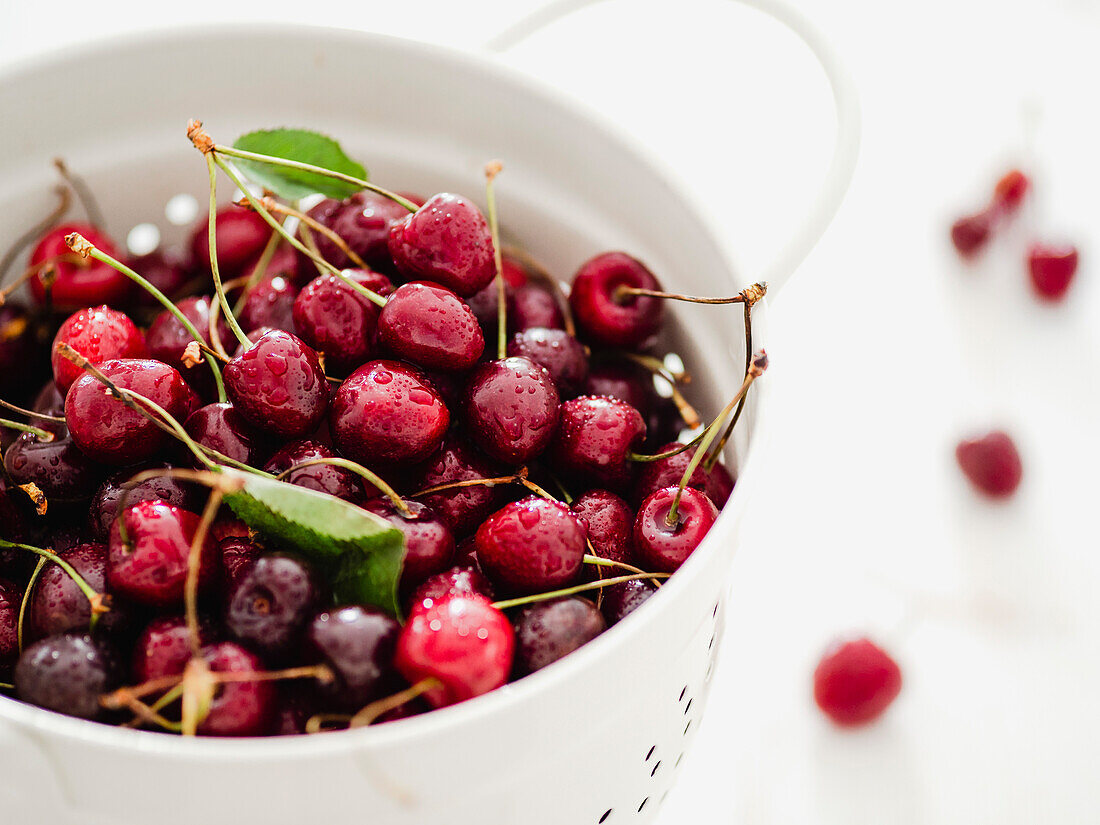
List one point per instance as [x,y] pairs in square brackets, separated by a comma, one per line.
[511,409]
[78,282]
[971,233]
[431,327]
[242,236]
[107,430]
[463,642]
[991,463]
[607,317]
[463,579]
[663,547]
[99,334]
[530,546]
[1010,190]
[855,682]
[1052,269]
[595,436]
[336,320]
[446,241]
[164,647]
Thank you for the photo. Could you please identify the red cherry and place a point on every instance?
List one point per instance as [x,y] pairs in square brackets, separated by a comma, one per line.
[1010,190]
[662,547]
[446,241]
[106,430]
[463,642]
[464,507]
[856,681]
[992,463]
[324,478]
[238,708]
[463,579]
[220,427]
[534,306]
[429,542]
[363,221]
[167,339]
[270,303]
[603,315]
[99,334]
[242,236]
[563,356]
[431,327]
[79,282]
[1052,268]
[511,409]
[595,436]
[971,233]
[164,648]
[11,597]
[335,319]
[609,523]
[530,546]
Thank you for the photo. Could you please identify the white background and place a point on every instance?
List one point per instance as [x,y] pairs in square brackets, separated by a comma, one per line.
[885,350]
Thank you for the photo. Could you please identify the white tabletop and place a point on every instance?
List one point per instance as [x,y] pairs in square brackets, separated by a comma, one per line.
[884,350]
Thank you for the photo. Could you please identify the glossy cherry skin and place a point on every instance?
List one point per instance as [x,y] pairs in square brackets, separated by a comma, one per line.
[80,282]
[563,356]
[595,435]
[270,303]
[388,413]
[463,642]
[609,525]
[363,221]
[991,463]
[359,644]
[534,306]
[107,430]
[99,334]
[971,233]
[620,600]
[855,682]
[511,409]
[62,472]
[150,565]
[547,631]
[606,318]
[105,504]
[164,647]
[220,427]
[1051,269]
[531,545]
[653,475]
[278,386]
[429,542]
[57,604]
[431,327]
[238,708]
[446,241]
[324,478]
[270,604]
[18,350]
[242,236]
[11,597]
[67,674]
[463,507]
[663,548]
[335,319]
[464,579]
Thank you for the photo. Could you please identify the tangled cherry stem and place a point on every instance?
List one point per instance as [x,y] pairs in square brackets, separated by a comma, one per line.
[716,453]
[35,232]
[83,192]
[38,568]
[577,588]
[212,231]
[359,470]
[756,369]
[315,225]
[98,601]
[85,249]
[43,435]
[492,169]
[375,709]
[749,295]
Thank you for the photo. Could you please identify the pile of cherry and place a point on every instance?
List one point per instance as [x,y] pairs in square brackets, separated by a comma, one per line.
[537,477]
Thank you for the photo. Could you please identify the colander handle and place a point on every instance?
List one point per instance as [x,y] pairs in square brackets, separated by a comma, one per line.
[827,201]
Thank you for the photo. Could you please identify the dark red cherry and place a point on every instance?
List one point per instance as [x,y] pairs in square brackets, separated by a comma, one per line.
[463,642]
[485,305]
[164,271]
[531,545]
[220,427]
[431,327]
[991,463]
[563,356]
[270,303]
[855,682]
[622,599]
[18,350]
[547,631]
[358,643]
[595,435]
[511,409]
[67,674]
[1010,190]
[57,604]
[336,320]
[60,470]
[79,282]
[11,597]
[242,236]
[238,554]
[363,222]
[324,478]
[270,604]
[99,334]
[1052,268]
[609,524]
[971,233]
[446,241]
[50,401]
[238,708]
[107,430]
[623,380]
[653,475]
[463,579]
[534,306]
[463,507]
[168,338]
[388,413]
[278,386]
[662,547]
[429,542]
[149,565]
[105,504]
[606,317]
[164,648]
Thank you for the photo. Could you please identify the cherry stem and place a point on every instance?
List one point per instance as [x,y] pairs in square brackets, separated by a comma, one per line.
[716,453]
[36,231]
[81,246]
[194,565]
[492,169]
[144,713]
[359,470]
[375,709]
[273,205]
[26,600]
[96,599]
[535,268]
[258,271]
[568,499]
[655,366]
[472,482]
[57,419]
[229,151]
[212,223]
[43,435]
[579,588]
[756,369]
[6,686]
[599,561]
[667,453]
[83,192]
[749,295]
[258,207]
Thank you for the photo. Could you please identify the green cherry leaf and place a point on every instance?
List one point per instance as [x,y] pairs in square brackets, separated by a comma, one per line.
[303,146]
[360,552]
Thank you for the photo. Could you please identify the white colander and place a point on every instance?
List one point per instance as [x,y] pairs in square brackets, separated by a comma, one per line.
[597,737]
